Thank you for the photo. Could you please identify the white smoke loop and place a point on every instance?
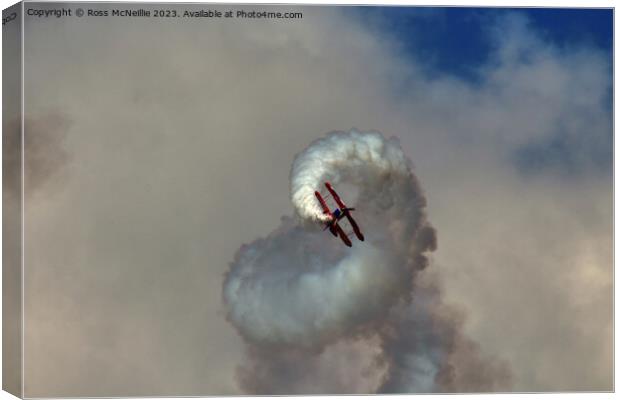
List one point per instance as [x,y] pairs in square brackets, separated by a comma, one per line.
[303,286]
[354,156]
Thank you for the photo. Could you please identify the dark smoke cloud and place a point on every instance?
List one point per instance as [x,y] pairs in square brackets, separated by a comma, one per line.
[424,339]
[44,154]
[298,297]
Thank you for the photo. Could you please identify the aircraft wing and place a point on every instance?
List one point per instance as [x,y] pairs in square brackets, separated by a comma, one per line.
[342,235]
[335,195]
[356,228]
[322,201]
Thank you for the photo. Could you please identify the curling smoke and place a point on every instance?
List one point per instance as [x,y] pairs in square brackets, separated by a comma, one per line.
[364,159]
[300,290]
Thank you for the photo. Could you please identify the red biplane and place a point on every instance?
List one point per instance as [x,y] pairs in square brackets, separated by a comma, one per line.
[339,213]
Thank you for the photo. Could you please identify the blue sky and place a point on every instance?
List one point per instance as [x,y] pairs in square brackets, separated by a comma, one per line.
[459,42]
[454,40]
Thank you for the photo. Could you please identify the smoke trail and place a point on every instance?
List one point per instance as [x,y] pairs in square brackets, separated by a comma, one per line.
[300,291]
[364,159]
[425,350]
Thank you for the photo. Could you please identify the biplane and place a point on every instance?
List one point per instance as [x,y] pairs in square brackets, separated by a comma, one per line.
[339,213]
